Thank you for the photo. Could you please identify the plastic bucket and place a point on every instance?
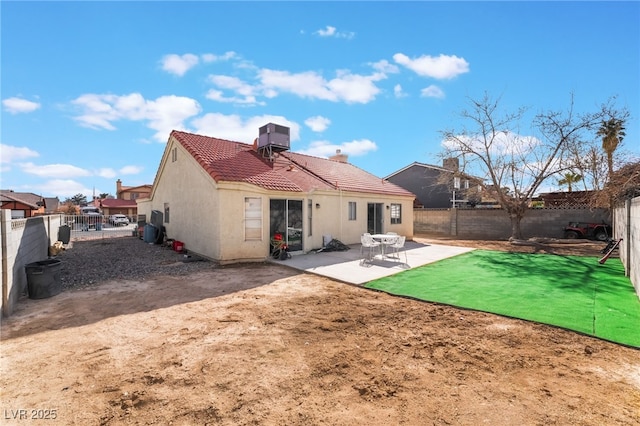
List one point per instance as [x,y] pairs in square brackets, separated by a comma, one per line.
[178,246]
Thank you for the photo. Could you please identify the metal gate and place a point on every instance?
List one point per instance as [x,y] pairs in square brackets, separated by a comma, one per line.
[93,227]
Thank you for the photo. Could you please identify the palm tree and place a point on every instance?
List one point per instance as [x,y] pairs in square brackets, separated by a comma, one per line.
[569,178]
[612,132]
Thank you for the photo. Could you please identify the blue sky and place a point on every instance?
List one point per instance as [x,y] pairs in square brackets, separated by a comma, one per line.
[91,90]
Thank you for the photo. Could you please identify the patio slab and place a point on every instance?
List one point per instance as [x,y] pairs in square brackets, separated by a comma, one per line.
[348,266]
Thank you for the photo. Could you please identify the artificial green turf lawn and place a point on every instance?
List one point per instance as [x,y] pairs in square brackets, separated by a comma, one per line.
[572,292]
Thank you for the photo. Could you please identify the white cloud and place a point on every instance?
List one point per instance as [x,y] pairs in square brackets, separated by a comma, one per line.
[106,173]
[327,32]
[347,87]
[386,67]
[504,143]
[210,57]
[131,170]
[218,96]
[232,127]
[164,114]
[19,105]
[330,31]
[354,88]
[14,153]
[65,188]
[306,84]
[354,148]
[179,65]
[317,123]
[232,83]
[432,91]
[236,85]
[398,92]
[440,67]
[54,170]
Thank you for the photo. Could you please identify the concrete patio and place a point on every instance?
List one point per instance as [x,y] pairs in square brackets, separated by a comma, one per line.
[348,266]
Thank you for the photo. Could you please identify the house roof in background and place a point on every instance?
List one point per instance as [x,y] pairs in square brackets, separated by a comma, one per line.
[233,161]
[145,187]
[118,203]
[421,165]
[27,198]
[51,203]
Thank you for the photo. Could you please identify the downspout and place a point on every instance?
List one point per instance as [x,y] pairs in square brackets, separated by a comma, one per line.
[340,208]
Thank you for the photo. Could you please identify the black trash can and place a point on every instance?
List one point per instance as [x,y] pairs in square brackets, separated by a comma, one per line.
[64,234]
[43,278]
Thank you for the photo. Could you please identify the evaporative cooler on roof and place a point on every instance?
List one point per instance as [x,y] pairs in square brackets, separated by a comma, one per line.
[273,138]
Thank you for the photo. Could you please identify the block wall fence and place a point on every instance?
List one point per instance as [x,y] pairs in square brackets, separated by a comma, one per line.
[23,241]
[494,224]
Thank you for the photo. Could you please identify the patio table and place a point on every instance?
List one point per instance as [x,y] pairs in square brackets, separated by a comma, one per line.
[385,239]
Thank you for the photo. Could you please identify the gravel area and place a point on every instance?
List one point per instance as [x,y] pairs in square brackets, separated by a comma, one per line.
[86,263]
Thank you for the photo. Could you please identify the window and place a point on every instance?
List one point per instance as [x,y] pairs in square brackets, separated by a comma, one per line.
[352,210]
[466,184]
[396,213]
[252,218]
[166,212]
[456,183]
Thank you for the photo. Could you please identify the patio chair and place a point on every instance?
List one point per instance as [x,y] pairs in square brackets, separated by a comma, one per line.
[397,246]
[367,242]
[389,241]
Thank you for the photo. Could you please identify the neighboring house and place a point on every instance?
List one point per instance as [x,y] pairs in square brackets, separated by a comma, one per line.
[125,201]
[21,204]
[132,192]
[111,206]
[226,200]
[437,187]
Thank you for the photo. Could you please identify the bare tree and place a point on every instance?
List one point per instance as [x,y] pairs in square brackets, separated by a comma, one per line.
[514,166]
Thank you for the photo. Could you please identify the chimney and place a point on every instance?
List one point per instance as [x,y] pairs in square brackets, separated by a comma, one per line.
[118,188]
[452,164]
[339,157]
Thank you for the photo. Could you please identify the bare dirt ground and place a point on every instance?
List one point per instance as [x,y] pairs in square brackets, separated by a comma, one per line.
[262,344]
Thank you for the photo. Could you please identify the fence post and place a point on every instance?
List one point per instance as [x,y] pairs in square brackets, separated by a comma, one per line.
[453,222]
[5,229]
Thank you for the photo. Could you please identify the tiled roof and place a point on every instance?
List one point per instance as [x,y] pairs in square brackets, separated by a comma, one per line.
[116,203]
[238,162]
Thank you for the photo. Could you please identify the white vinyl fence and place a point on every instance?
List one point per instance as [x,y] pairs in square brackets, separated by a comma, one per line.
[86,227]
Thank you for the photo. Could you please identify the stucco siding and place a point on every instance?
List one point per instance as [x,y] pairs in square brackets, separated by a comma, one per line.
[192,200]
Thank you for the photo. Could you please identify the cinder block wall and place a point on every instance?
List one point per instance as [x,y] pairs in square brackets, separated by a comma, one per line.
[495,224]
[23,241]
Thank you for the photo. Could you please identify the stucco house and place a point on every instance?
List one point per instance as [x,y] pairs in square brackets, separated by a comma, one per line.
[125,200]
[438,187]
[226,200]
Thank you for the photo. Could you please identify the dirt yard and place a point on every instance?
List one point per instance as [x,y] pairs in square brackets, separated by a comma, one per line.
[265,345]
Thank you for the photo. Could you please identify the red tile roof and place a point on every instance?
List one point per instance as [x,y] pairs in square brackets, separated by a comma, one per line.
[117,203]
[238,162]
